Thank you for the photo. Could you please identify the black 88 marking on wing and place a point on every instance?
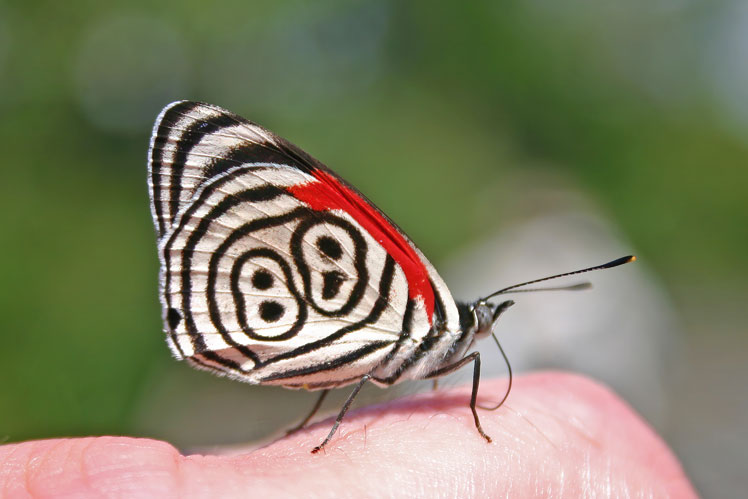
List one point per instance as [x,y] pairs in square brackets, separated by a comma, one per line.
[330,254]
[263,292]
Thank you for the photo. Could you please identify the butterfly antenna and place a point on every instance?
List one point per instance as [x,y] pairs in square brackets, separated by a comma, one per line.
[580,286]
[609,265]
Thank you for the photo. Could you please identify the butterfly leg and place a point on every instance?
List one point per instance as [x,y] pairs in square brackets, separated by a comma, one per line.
[435,385]
[475,358]
[342,412]
[311,414]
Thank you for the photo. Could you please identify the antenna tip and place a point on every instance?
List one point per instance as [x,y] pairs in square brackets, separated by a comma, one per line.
[619,261]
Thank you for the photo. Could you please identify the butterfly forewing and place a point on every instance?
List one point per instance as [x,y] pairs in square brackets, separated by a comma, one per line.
[192,143]
[270,281]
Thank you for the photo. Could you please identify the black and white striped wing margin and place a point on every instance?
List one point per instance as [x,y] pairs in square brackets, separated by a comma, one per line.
[272,269]
[193,142]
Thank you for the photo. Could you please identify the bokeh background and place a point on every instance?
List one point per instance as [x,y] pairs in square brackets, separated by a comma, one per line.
[510,139]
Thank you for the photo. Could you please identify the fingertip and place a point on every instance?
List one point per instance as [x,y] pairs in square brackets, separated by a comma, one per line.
[561,432]
[601,434]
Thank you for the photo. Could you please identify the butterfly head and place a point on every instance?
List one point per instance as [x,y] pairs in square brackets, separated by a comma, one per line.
[486,314]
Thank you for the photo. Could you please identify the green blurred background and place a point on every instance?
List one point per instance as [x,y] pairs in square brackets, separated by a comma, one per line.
[442,113]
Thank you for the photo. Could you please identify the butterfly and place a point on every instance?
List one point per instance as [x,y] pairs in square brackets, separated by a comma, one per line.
[276,271]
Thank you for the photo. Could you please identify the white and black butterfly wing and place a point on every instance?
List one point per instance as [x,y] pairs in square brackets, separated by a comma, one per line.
[273,270]
[193,142]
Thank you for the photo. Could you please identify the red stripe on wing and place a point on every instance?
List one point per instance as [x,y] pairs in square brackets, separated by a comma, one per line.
[330,194]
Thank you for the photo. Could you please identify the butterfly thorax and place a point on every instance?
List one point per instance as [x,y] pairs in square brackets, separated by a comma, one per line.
[441,347]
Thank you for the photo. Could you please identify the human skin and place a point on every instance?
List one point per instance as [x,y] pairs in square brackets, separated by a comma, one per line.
[558,435]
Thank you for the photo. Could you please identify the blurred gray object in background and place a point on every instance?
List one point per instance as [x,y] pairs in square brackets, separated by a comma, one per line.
[620,332]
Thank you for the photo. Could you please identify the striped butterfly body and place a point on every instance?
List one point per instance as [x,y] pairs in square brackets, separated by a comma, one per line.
[276,271]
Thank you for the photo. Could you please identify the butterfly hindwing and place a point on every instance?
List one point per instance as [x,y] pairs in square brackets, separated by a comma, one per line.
[273,270]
